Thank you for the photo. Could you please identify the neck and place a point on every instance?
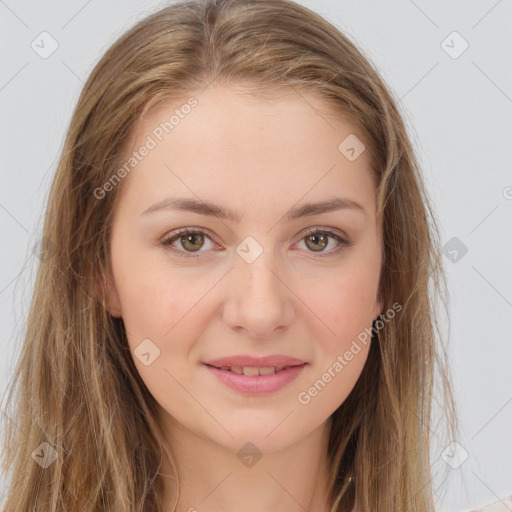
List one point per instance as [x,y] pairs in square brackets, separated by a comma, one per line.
[214,477]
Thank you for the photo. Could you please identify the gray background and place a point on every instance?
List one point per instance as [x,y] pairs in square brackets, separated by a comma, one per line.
[458,110]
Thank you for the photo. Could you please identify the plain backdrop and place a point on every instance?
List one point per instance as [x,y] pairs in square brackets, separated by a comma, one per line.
[450,65]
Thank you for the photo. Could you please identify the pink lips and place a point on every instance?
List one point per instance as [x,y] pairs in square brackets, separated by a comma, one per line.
[256,384]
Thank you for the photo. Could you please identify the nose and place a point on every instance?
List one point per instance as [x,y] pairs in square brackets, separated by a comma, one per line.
[260,302]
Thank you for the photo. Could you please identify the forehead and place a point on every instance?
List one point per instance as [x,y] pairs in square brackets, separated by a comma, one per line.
[224,139]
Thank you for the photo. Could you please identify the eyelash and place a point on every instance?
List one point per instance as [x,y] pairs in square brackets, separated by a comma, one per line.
[167,242]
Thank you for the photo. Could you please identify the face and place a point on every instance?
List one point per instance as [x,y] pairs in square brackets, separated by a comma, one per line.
[270,279]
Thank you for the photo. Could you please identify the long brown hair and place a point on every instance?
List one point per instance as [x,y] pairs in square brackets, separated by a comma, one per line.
[76,395]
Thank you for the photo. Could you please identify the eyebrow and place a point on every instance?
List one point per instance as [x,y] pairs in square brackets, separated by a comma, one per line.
[214,210]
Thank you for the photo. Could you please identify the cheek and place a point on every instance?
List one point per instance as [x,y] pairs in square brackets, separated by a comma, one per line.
[162,323]
[165,306]
[344,304]
[332,383]
[341,345]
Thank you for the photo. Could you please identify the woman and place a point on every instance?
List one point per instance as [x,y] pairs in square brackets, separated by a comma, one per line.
[236,307]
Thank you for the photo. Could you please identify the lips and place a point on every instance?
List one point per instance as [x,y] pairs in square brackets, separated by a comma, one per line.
[235,363]
[252,381]
[256,375]
[253,370]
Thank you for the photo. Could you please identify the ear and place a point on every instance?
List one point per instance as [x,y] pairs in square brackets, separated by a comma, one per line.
[107,293]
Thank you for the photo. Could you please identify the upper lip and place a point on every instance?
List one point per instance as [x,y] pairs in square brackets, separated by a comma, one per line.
[256,362]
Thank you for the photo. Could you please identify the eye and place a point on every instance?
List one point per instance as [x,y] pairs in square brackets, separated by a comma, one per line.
[318,239]
[192,241]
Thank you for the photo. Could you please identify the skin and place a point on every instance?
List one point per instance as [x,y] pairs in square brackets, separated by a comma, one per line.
[259,158]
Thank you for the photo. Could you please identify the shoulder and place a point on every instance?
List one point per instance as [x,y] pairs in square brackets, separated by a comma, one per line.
[501,505]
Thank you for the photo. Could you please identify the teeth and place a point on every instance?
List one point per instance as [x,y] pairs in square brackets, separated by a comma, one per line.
[266,371]
[251,370]
[248,370]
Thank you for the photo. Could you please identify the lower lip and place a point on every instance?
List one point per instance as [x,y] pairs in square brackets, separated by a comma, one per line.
[257,384]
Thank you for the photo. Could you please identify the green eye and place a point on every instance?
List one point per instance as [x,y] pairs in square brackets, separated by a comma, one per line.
[318,240]
[193,240]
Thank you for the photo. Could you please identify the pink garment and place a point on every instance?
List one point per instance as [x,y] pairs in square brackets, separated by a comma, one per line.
[503,505]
